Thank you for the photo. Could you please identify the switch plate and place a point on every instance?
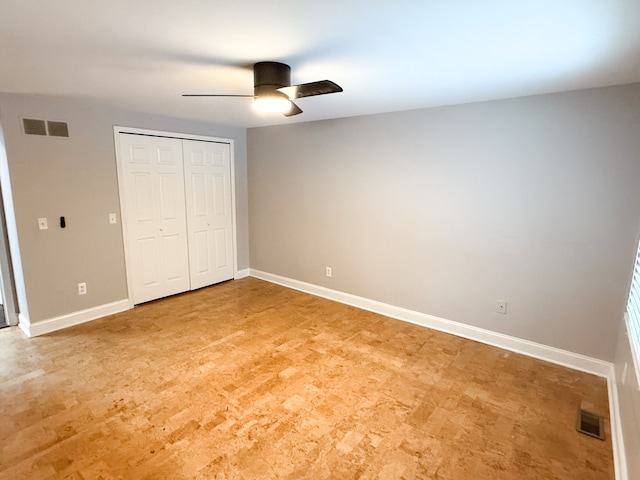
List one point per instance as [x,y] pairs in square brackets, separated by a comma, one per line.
[42,224]
[328,271]
[113,219]
[502,307]
[82,288]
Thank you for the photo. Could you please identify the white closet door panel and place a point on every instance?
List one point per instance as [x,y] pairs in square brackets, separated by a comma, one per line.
[221,243]
[173,261]
[222,221]
[170,204]
[207,169]
[147,253]
[143,197]
[199,195]
[156,224]
[165,154]
[139,154]
[202,254]
[220,202]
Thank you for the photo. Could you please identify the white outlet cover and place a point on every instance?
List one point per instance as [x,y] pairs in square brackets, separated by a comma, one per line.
[42,224]
[502,307]
[112,218]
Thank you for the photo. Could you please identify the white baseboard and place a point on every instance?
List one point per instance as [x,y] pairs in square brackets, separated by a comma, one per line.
[513,344]
[71,319]
[245,272]
[23,324]
[617,440]
[554,355]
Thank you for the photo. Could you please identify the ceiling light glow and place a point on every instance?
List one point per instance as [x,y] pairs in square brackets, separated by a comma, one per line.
[272,104]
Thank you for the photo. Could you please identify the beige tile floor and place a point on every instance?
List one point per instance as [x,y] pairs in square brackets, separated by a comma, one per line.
[255,381]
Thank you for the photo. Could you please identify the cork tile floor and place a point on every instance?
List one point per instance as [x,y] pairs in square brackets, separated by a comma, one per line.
[249,380]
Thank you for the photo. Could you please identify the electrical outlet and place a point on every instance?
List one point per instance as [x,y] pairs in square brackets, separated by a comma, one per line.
[502,307]
[42,224]
[82,288]
[113,219]
[328,271]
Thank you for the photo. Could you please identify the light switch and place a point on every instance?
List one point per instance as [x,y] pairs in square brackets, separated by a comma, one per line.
[112,218]
[42,224]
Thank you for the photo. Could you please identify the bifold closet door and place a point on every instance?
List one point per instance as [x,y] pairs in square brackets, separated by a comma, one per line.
[155,215]
[207,170]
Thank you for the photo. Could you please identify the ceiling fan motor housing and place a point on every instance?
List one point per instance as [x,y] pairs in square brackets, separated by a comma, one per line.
[269,76]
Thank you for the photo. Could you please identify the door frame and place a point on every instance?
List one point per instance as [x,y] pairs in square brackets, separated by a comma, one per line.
[117,130]
[11,281]
[7,281]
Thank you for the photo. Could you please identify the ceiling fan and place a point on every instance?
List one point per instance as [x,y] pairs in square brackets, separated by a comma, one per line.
[273,92]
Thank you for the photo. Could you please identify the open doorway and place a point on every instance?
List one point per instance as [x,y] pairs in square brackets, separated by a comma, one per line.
[6,278]
[8,299]
[4,322]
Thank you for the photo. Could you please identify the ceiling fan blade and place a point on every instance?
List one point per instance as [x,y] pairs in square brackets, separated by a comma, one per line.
[295,110]
[310,89]
[212,95]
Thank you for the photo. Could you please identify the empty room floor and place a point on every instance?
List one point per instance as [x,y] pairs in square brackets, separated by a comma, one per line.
[250,380]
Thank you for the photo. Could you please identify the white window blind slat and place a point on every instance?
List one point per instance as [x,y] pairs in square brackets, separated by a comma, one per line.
[633,307]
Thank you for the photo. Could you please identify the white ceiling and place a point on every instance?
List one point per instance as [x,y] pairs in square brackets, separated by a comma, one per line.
[387,55]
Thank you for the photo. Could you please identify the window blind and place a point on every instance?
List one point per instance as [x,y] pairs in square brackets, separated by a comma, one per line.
[633,308]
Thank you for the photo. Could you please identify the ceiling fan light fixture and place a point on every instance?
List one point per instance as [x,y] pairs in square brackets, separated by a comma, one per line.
[272,104]
[273,92]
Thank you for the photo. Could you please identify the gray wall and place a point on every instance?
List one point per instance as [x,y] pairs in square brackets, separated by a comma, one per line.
[444,211]
[77,178]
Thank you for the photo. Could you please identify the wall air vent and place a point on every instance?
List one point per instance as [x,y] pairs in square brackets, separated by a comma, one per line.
[57,129]
[590,424]
[34,127]
[43,128]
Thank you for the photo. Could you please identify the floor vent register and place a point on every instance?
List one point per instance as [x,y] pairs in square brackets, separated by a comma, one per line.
[590,424]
